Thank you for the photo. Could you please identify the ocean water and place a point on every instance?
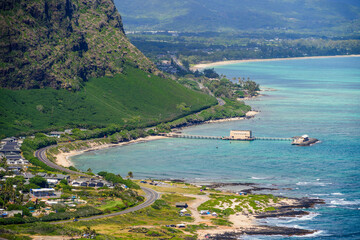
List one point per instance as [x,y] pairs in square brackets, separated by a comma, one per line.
[318,97]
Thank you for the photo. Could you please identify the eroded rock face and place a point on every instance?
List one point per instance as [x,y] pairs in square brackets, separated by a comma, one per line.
[61,43]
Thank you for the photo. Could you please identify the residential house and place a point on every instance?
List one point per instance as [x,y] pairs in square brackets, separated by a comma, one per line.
[42,192]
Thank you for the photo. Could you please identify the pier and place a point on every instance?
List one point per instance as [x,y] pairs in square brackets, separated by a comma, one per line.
[176,135]
[273,139]
[180,135]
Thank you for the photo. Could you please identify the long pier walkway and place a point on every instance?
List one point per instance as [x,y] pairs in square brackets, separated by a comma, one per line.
[273,138]
[179,135]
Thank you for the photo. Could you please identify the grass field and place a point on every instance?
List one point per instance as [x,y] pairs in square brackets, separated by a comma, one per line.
[135,98]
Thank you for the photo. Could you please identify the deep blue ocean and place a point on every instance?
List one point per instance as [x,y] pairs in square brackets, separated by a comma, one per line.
[318,97]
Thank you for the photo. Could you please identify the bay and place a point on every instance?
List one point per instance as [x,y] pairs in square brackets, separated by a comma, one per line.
[318,97]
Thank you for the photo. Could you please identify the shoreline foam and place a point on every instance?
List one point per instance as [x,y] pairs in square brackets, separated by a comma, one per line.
[221,63]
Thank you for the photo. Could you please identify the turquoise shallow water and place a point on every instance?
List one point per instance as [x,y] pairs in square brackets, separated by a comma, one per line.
[319,97]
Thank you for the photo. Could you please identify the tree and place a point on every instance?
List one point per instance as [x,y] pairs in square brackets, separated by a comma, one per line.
[89,170]
[210,73]
[39,181]
[186,64]
[40,108]
[130,174]
[64,181]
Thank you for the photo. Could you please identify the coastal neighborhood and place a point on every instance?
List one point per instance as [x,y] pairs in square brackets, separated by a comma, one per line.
[29,194]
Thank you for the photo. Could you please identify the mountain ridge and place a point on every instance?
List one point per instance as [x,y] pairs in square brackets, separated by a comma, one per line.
[325,16]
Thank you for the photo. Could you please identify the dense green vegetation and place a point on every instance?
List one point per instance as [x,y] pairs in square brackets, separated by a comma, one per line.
[116,179]
[134,99]
[229,110]
[192,48]
[85,211]
[318,17]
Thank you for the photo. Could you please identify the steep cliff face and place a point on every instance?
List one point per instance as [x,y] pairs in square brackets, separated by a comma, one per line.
[62,43]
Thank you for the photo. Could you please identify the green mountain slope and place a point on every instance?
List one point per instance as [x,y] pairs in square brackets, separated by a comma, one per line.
[133,98]
[341,16]
[62,43]
[67,63]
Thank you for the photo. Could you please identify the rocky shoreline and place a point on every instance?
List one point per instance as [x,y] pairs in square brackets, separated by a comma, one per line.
[262,230]
[296,208]
[293,210]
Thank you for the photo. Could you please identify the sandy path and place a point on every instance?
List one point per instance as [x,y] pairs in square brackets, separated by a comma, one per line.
[193,205]
[240,221]
[53,237]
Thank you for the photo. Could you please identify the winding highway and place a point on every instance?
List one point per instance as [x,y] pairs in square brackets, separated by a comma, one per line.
[150,195]
[41,155]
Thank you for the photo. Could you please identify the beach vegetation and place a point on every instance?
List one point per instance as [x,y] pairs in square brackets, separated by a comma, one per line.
[225,205]
[193,228]
[158,204]
[221,222]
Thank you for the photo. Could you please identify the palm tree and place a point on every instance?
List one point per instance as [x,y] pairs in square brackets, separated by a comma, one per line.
[130,174]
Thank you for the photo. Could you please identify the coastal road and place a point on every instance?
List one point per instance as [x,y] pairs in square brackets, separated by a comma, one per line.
[150,196]
[41,155]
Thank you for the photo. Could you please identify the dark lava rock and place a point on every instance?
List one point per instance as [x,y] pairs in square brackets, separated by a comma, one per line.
[263,230]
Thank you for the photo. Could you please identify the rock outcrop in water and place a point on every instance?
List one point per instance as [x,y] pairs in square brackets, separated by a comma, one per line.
[62,43]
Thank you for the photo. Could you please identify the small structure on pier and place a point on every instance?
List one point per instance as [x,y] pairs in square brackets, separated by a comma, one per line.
[304,140]
[241,135]
[300,140]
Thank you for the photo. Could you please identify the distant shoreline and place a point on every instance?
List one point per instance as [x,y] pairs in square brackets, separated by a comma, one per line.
[221,63]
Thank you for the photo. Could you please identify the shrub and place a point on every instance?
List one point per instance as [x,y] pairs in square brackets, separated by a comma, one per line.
[16,220]
[158,204]
[153,234]
[80,212]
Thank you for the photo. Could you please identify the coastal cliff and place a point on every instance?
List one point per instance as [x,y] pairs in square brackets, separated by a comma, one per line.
[62,43]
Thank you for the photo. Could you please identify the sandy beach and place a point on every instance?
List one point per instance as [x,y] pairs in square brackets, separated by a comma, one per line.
[249,114]
[221,63]
[63,158]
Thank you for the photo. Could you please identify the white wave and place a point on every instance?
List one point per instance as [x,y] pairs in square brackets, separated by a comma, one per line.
[343,202]
[337,194]
[322,184]
[258,178]
[319,194]
[289,221]
[318,233]
[308,217]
